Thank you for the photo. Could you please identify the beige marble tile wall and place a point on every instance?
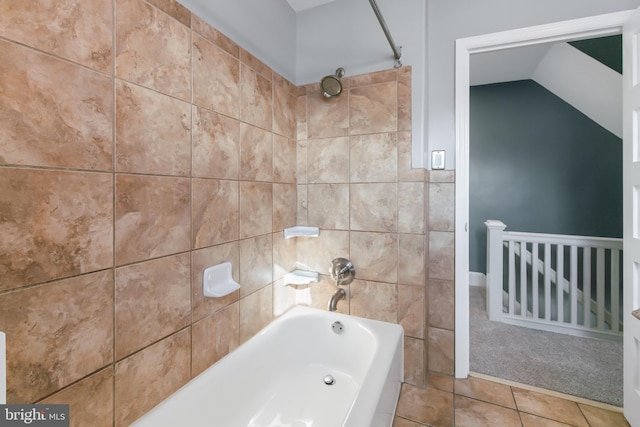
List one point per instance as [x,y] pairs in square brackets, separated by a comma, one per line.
[440,279]
[138,146]
[355,182]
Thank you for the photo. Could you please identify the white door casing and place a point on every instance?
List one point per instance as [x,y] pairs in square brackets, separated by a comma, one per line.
[596,26]
[631,215]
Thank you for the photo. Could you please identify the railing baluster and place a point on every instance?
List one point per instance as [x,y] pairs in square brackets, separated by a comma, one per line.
[534,279]
[512,277]
[560,282]
[574,285]
[600,288]
[547,281]
[615,290]
[523,279]
[586,287]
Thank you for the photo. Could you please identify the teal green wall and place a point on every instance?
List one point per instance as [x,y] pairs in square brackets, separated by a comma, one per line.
[607,50]
[539,165]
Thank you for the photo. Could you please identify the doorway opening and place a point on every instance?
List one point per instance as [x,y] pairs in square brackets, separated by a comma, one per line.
[599,26]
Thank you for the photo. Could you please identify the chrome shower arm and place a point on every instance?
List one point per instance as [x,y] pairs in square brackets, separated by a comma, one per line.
[397,50]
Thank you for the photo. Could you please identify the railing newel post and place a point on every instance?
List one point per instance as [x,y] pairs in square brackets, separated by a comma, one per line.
[495,233]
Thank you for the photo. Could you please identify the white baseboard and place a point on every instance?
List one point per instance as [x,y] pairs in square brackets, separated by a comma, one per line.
[477,279]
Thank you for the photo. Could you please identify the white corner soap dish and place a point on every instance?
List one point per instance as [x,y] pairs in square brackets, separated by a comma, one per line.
[218,282]
[301,231]
[300,277]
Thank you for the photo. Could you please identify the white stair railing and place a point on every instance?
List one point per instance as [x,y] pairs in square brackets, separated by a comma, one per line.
[549,282]
[566,285]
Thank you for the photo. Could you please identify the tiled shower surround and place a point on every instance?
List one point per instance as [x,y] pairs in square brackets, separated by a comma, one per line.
[138,146]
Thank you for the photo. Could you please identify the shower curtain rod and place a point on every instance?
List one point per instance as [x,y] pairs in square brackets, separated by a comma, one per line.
[397,50]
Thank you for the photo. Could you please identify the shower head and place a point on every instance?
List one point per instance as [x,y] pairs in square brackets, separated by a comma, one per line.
[331,86]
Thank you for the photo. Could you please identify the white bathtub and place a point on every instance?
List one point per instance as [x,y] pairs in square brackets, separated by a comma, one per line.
[277,378]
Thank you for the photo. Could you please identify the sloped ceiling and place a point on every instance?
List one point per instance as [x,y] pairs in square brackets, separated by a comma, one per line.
[589,82]
[521,63]
[506,65]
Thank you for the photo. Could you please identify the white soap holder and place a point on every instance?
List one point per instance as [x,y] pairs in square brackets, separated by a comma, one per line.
[300,277]
[301,231]
[218,282]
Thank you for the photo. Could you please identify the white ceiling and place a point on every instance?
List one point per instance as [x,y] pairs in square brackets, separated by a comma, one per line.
[298,5]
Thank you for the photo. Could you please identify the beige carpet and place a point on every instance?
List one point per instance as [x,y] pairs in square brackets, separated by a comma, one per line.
[583,367]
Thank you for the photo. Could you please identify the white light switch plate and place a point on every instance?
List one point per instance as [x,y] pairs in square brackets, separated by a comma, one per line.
[437,159]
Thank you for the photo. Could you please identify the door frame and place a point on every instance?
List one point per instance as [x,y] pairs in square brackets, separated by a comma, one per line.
[589,27]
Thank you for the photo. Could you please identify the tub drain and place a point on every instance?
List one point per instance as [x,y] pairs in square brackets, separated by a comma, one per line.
[329,380]
[337,327]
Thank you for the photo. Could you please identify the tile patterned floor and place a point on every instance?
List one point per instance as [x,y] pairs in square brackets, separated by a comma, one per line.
[480,402]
